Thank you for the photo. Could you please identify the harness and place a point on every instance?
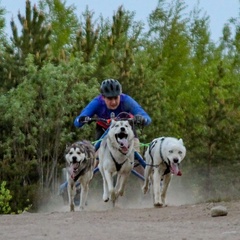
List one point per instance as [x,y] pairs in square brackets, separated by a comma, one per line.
[79,174]
[117,165]
[152,145]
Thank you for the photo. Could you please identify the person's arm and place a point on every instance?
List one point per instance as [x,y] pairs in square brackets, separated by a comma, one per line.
[134,108]
[88,111]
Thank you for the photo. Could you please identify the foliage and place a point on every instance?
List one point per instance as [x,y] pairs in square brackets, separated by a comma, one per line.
[5,197]
[2,20]
[35,36]
[64,24]
[34,39]
[41,112]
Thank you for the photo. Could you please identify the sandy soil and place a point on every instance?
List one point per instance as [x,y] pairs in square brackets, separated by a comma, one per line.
[133,217]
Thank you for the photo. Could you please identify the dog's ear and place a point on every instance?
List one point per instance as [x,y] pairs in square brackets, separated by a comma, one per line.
[181,141]
[113,122]
[67,145]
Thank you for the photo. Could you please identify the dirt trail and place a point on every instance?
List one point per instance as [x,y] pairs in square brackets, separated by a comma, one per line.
[173,222]
[132,218]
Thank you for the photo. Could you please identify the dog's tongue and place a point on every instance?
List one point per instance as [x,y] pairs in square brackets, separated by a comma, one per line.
[71,170]
[175,170]
[123,142]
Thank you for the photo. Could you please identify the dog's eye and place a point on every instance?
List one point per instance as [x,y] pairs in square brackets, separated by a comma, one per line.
[180,152]
[170,151]
[78,153]
[70,153]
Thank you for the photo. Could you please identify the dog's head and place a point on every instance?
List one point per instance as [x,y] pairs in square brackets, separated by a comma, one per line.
[121,135]
[77,158]
[175,152]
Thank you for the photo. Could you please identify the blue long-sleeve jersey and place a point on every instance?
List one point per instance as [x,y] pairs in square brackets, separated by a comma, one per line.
[98,107]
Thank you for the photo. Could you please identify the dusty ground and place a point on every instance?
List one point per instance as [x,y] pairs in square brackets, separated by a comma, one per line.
[132,218]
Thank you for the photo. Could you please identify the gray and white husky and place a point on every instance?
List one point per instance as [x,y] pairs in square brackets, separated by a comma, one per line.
[80,159]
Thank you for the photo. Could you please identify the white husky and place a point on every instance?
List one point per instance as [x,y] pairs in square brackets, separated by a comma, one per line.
[116,156]
[162,161]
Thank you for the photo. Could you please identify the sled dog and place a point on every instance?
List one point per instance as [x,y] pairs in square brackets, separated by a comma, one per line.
[116,157]
[80,159]
[163,157]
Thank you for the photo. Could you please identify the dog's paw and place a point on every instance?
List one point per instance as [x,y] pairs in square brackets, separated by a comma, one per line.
[113,196]
[158,205]
[120,193]
[81,208]
[72,207]
[105,197]
[145,189]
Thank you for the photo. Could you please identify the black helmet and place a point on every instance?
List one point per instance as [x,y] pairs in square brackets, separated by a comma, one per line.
[111,88]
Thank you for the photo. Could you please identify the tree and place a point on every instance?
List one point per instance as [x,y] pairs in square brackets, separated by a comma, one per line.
[39,114]
[2,42]
[117,45]
[168,62]
[35,36]
[34,39]
[64,25]
[86,38]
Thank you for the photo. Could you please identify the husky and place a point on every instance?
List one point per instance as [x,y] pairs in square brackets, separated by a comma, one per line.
[80,159]
[163,157]
[116,157]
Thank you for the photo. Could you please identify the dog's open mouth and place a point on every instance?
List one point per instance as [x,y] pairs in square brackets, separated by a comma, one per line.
[73,169]
[122,139]
[175,169]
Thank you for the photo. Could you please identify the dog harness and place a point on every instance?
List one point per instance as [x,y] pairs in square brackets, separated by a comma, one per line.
[118,165]
[75,178]
[153,143]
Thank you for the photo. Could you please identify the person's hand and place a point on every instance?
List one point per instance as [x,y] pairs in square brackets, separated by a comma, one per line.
[140,120]
[84,119]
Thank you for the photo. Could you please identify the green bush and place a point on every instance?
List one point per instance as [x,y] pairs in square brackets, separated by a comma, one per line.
[5,197]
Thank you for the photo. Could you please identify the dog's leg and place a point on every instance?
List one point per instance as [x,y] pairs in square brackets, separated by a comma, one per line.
[84,194]
[118,183]
[121,182]
[166,181]
[105,190]
[109,181]
[147,171]
[105,184]
[71,192]
[156,188]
